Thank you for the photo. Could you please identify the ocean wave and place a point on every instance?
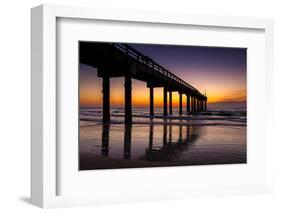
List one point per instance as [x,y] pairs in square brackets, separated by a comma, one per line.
[166,122]
[146,113]
[206,118]
[171,117]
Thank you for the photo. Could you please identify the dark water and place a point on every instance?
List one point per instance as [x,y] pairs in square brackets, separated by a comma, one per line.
[217,136]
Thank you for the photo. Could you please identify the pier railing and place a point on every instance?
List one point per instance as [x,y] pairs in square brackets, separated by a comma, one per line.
[135,54]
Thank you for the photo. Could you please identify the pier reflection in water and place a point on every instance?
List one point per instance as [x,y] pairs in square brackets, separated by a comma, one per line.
[105,139]
[161,152]
[109,146]
[170,149]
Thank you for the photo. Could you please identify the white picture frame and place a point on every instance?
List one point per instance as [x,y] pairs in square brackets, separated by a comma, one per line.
[44,174]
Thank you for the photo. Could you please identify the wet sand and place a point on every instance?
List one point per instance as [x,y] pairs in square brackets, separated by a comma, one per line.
[110,146]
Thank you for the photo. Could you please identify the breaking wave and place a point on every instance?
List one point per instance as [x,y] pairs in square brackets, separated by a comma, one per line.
[212,117]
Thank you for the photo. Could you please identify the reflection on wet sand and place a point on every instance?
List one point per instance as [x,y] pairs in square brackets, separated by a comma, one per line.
[127,141]
[110,146]
[105,139]
[169,148]
[157,142]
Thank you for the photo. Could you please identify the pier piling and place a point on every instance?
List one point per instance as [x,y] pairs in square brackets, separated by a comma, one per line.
[128,99]
[106,98]
[165,101]
[187,103]
[151,101]
[205,107]
[180,104]
[171,102]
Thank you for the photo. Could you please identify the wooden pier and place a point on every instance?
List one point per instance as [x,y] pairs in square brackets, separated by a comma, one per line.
[121,60]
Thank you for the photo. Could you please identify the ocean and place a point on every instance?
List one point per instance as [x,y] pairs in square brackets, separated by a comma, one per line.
[215,136]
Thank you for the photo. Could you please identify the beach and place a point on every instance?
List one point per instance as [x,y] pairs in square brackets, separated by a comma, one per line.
[216,136]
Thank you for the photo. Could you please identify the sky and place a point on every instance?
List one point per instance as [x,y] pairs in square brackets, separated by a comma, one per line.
[221,72]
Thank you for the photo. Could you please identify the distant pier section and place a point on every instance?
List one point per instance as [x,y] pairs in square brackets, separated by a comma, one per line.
[121,60]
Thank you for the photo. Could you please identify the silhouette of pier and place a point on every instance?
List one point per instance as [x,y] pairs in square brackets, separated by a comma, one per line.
[121,60]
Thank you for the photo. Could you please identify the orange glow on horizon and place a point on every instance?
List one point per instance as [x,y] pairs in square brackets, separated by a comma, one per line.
[140,96]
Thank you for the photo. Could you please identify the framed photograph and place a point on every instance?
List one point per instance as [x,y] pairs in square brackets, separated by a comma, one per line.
[130,106]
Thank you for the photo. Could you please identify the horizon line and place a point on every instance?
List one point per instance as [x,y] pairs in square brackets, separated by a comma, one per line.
[158,106]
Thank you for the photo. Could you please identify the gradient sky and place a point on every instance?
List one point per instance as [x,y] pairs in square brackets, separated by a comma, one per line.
[219,71]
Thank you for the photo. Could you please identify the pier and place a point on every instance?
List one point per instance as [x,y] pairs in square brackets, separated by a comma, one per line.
[121,60]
